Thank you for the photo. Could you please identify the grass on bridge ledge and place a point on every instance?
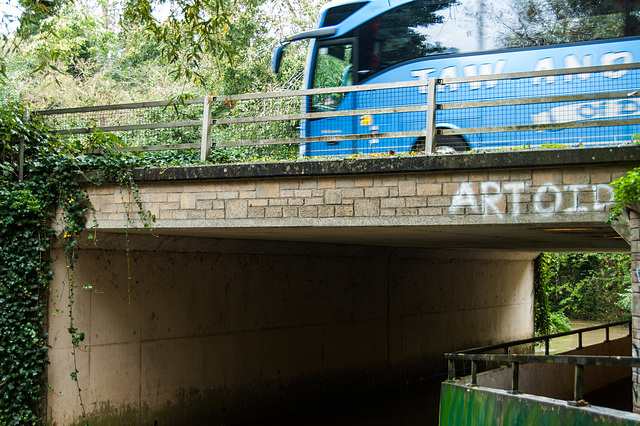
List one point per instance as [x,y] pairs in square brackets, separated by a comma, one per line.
[277,153]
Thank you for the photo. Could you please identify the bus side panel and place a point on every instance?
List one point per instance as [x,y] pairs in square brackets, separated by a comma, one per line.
[522,60]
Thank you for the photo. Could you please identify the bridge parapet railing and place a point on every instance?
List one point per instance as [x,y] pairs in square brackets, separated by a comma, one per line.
[482,354]
[592,106]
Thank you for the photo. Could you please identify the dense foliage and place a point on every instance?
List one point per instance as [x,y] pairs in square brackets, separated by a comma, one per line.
[94,60]
[26,213]
[626,194]
[581,286]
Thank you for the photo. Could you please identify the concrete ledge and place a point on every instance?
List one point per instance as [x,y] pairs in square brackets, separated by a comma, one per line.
[402,164]
[464,405]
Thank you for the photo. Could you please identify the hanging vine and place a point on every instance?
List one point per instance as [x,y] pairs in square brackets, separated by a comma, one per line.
[28,197]
[30,192]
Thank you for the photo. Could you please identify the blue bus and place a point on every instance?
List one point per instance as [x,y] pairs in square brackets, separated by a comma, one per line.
[385,41]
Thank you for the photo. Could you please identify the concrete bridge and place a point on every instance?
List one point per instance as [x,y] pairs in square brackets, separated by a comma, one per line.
[268,287]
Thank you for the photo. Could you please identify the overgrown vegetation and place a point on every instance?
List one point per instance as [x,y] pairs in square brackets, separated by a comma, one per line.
[581,286]
[26,234]
[627,193]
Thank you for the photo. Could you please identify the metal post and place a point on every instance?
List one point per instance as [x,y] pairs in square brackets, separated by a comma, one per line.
[429,143]
[452,370]
[474,373]
[580,340]
[607,334]
[577,382]
[205,147]
[546,346]
[515,378]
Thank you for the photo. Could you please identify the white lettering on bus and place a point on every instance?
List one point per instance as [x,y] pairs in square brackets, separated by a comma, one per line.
[544,64]
[616,58]
[572,61]
[485,69]
[580,111]
[422,75]
[449,72]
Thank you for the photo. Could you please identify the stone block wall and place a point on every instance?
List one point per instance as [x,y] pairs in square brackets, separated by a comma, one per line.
[438,197]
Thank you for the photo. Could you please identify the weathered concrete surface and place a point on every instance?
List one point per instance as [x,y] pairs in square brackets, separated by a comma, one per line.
[550,158]
[463,405]
[213,331]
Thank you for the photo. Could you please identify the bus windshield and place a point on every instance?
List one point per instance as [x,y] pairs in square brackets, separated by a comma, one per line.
[424,28]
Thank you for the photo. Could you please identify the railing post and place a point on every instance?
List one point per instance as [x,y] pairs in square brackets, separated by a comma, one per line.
[577,382]
[474,373]
[452,370]
[546,346]
[205,146]
[515,378]
[607,334]
[430,137]
[580,340]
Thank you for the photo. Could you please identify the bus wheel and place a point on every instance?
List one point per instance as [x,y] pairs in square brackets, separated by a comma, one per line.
[444,144]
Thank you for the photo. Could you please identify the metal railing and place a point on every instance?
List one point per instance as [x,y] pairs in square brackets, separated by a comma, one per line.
[480,354]
[411,110]
[547,339]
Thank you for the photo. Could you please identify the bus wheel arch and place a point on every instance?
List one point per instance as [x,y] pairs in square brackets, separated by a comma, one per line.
[444,144]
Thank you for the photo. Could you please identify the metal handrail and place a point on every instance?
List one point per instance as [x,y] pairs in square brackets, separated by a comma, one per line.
[579,361]
[547,338]
[429,87]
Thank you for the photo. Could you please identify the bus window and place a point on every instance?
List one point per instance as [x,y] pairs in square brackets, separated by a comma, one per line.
[333,68]
[399,35]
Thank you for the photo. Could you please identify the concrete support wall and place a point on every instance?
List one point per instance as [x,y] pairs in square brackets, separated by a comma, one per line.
[205,331]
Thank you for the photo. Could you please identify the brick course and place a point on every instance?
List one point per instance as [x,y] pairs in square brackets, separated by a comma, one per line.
[495,193]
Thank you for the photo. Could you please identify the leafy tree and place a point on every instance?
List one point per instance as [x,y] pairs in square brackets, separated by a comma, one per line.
[98,65]
[626,193]
[589,286]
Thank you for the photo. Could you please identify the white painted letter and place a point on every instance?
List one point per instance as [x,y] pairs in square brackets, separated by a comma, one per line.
[486,69]
[613,57]
[576,198]
[547,188]
[491,196]
[422,75]
[544,64]
[572,61]
[448,72]
[465,197]
[598,203]
[516,189]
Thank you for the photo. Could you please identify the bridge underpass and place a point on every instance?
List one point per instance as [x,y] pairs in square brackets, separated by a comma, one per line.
[271,287]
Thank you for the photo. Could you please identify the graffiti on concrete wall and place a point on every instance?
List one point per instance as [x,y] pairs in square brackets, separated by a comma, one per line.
[516,198]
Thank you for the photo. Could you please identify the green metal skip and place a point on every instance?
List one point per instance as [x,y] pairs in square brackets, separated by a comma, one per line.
[462,405]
